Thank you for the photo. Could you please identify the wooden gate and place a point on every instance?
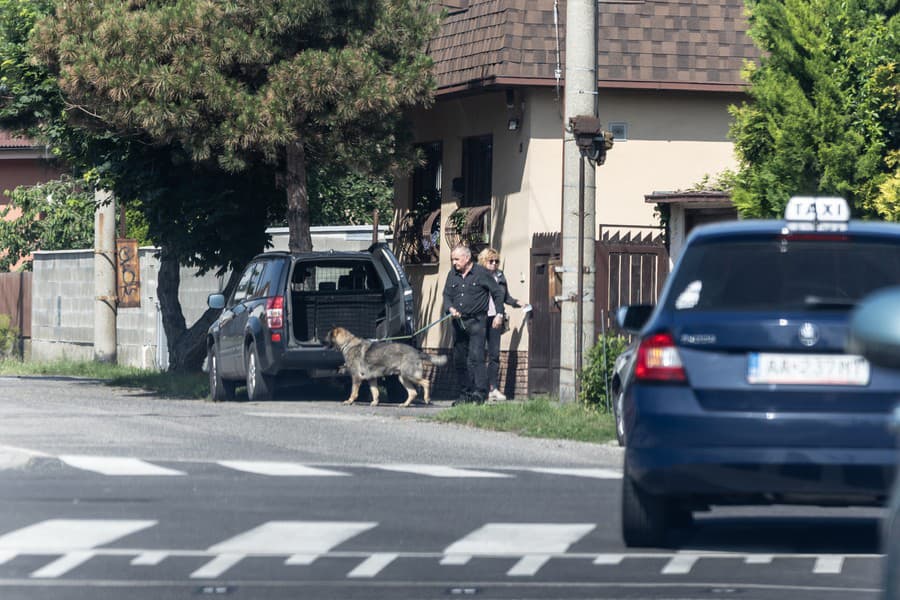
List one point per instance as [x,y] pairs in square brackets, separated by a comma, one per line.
[15,300]
[543,333]
[630,269]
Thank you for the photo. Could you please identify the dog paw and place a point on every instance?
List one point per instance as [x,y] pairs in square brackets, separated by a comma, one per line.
[349,401]
[373,403]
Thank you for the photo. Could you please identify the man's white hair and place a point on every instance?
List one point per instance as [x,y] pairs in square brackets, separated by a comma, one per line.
[462,249]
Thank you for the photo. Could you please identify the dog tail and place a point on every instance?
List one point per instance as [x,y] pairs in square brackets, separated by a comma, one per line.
[435,359]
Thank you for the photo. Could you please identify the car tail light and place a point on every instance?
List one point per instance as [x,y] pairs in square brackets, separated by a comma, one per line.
[275,315]
[658,360]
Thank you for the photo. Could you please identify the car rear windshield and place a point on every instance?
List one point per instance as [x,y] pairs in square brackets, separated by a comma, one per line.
[782,273]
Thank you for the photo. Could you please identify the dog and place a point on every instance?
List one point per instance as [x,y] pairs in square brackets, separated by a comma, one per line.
[365,360]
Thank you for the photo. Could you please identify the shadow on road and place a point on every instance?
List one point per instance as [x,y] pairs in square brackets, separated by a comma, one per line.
[783,534]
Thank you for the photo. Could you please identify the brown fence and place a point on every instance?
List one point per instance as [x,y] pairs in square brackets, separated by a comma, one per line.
[15,300]
[631,269]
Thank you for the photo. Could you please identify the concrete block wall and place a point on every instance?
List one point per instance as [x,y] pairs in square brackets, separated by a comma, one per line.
[63,309]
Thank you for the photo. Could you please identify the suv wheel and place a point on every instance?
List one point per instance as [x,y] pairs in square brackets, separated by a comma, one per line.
[647,518]
[219,389]
[259,385]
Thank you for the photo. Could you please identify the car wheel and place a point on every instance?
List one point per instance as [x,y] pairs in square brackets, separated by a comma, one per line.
[259,385]
[219,389]
[619,412]
[648,518]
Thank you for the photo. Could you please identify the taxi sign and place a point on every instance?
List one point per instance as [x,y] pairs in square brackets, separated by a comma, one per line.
[817,212]
[817,208]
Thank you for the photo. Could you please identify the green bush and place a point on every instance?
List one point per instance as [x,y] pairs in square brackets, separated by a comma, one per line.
[9,338]
[599,370]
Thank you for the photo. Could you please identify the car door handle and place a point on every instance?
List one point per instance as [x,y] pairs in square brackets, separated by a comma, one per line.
[226,317]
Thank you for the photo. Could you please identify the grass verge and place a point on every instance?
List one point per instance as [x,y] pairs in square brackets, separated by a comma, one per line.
[190,385]
[538,417]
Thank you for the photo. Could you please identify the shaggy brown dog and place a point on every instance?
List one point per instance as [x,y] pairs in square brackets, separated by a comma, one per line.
[367,361]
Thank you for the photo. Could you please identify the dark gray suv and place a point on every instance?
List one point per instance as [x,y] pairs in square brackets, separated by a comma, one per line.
[284,305]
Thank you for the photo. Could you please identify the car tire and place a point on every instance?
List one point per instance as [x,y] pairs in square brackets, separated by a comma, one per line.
[219,389]
[618,412]
[648,518]
[259,385]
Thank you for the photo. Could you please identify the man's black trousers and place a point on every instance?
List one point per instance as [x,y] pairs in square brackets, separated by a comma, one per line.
[468,354]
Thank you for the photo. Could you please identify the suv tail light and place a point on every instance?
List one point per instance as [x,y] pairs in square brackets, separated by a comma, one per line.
[658,360]
[275,316]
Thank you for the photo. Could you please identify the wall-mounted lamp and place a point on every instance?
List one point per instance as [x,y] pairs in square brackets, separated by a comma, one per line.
[513,124]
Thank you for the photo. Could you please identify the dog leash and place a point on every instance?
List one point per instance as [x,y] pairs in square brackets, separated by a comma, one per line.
[414,334]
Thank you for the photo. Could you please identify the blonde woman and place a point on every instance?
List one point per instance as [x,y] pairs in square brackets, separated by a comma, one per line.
[490,260]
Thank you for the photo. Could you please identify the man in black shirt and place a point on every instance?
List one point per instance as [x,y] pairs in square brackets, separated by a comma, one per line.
[466,293]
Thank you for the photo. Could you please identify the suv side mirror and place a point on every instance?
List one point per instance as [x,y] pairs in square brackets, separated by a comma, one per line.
[633,318]
[875,328]
[216,301]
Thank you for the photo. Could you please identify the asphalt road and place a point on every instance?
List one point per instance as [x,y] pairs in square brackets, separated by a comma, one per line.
[108,493]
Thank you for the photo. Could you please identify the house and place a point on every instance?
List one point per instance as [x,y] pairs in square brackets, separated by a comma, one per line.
[493,140]
[23,162]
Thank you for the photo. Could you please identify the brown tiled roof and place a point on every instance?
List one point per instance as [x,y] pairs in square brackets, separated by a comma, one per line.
[660,44]
[7,140]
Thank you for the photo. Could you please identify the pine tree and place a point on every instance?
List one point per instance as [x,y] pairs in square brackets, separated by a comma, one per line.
[237,83]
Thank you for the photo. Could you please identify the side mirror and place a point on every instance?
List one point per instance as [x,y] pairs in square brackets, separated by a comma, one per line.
[875,328]
[216,301]
[633,318]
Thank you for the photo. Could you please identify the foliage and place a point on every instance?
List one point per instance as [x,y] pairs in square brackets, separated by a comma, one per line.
[235,84]
[537,417]
[337,197]
[57,215]
[601,359]
[825,110]
[9,338]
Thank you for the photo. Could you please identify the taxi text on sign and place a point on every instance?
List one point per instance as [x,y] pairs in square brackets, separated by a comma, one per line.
[128,274]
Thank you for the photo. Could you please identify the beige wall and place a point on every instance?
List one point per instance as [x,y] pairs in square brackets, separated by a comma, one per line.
[674,139]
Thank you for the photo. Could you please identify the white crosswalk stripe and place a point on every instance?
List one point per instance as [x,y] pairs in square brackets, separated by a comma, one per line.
[442,471]
[591,473]
[534,542]
[304,538]
[118,466]
[279,469]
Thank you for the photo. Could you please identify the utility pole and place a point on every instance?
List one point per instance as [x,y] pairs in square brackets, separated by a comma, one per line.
[577,310]
[105,277]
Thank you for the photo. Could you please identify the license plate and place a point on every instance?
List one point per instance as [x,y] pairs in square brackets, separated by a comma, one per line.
[807,369]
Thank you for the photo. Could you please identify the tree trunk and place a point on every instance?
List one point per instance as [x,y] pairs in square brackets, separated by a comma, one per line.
[297,198]
[187,346]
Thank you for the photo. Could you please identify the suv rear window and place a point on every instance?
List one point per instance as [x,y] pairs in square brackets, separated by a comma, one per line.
[335,276]
[774,273]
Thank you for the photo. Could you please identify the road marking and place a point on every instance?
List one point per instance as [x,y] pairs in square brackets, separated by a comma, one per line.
[306,539]
[680,564]
[217,566]
[149,558]
[61,536]
[534,542]
[116,465]
[6,556]
[455,559]
[609,559]
[592,473]
[441,471]
[279,469]
[528,565]
[829,565]
[373,565]
[759,559]
[63,565]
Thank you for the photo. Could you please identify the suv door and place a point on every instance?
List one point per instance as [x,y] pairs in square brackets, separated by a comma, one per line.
[399,309]
[233,320]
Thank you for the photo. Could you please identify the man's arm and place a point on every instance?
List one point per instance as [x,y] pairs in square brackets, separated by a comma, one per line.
[448,299]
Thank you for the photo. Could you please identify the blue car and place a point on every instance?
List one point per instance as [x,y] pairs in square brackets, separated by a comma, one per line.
[741,391]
